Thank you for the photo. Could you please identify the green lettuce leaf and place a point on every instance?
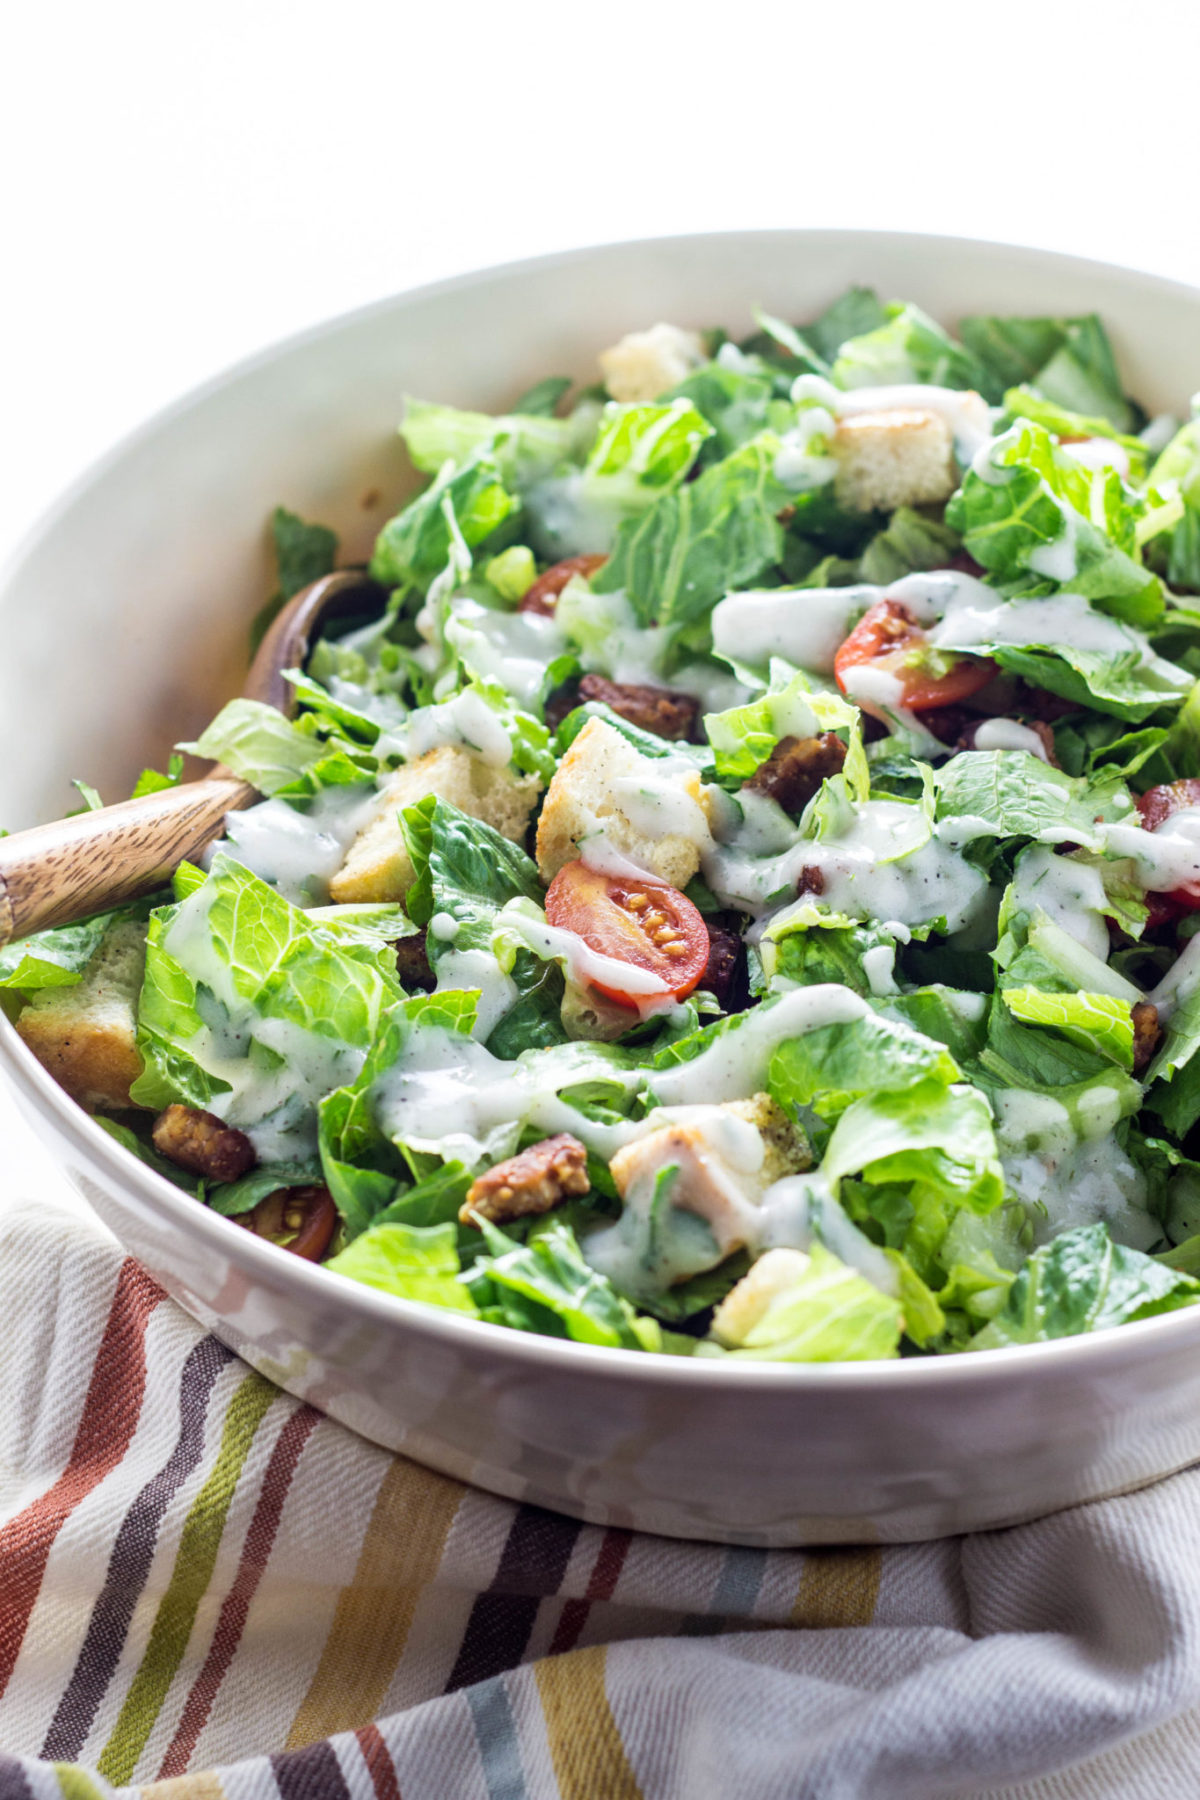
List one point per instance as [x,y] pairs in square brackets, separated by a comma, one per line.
[743,737]
[522,446]
[1080,1282]
[831,1067]
[739,403]
[410,1261]
[908,542]
[233,1198]
[260,745]
[684,553]
[1180,463]
[544,1285]
[252,1010]
[909,347]
[416,545]
[831,1314]
[468,872]
[1069,361]
[1010,794]
[54,958]
[936,1137]
[1038,513]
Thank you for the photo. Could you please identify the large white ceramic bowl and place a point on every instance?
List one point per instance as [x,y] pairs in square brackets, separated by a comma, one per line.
[123,626]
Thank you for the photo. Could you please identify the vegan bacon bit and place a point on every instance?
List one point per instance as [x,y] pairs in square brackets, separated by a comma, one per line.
[796,767]
[201,1142]
[531,1182]
[1147,1034]
[542,597]
[725,975]
[665,711]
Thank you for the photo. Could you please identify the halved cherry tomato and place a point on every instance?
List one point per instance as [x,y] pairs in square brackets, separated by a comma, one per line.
[300,1219]
[646,924]
[1156,806]
[889,640]
[542,597]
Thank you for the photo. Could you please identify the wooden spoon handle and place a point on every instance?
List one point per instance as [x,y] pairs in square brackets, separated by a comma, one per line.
[53,874]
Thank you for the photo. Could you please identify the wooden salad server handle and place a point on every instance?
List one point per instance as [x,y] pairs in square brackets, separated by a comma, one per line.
[57,873]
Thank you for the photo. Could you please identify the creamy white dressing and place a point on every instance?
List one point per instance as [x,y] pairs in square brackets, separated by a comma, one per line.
[734,1065]
[1068,892]
[964,412]
[511,648]
[1179,982]
[801,1208]
[449,1095]
[1058,560]
[1164,859]
[479,969]
[1100,453]
[581,964]
[273,1101]
[807,626]
[884,862]
[466,722]
[1071,1165]
[798,466]
[1007,734]
[298,852]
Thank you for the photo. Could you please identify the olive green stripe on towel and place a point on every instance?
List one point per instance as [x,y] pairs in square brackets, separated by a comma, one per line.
[194,1563]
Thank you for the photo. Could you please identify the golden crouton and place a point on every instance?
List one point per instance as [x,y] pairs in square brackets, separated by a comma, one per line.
[745,1306]
[786,1147]
[378,866]
[649,809]
[646,363]
[897,458]
[86,1035]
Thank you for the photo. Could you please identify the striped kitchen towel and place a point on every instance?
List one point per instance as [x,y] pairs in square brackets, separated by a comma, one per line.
[210,1592]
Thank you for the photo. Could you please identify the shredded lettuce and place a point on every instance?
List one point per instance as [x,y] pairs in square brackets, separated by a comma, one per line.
[1080,1282]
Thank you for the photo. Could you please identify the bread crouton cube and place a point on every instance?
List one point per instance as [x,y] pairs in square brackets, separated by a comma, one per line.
[786,1150]
[378,866]
[775,1273]
[86,1035]
[650,809]
[646,363]
[884,460]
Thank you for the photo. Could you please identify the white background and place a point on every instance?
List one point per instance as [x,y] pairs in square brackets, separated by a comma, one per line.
[184,183]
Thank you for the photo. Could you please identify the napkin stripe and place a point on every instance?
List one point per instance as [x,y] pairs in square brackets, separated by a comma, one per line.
[838,1587]
[602,1585]
[585,1745]
[111,1409]
[532,1565]
[378,1759]
[496,1736]
[132,1555]
[313,1773]
[260,1538]
[204,1784]
[190,1577]
[414,1508]
[14,1783]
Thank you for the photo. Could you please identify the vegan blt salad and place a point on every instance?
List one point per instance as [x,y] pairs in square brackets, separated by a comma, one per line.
[741,897]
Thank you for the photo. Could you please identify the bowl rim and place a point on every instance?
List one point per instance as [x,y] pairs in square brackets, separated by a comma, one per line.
[1108,1347]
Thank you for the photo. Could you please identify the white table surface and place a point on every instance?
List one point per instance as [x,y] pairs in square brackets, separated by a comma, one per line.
[184,184]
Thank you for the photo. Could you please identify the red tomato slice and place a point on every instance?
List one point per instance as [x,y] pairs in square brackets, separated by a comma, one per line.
[300,1219]
[643,923]
[1156,806]
[542,597]
[888,638]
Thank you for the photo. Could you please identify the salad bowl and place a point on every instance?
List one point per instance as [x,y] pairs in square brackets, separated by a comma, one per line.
[124,622]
